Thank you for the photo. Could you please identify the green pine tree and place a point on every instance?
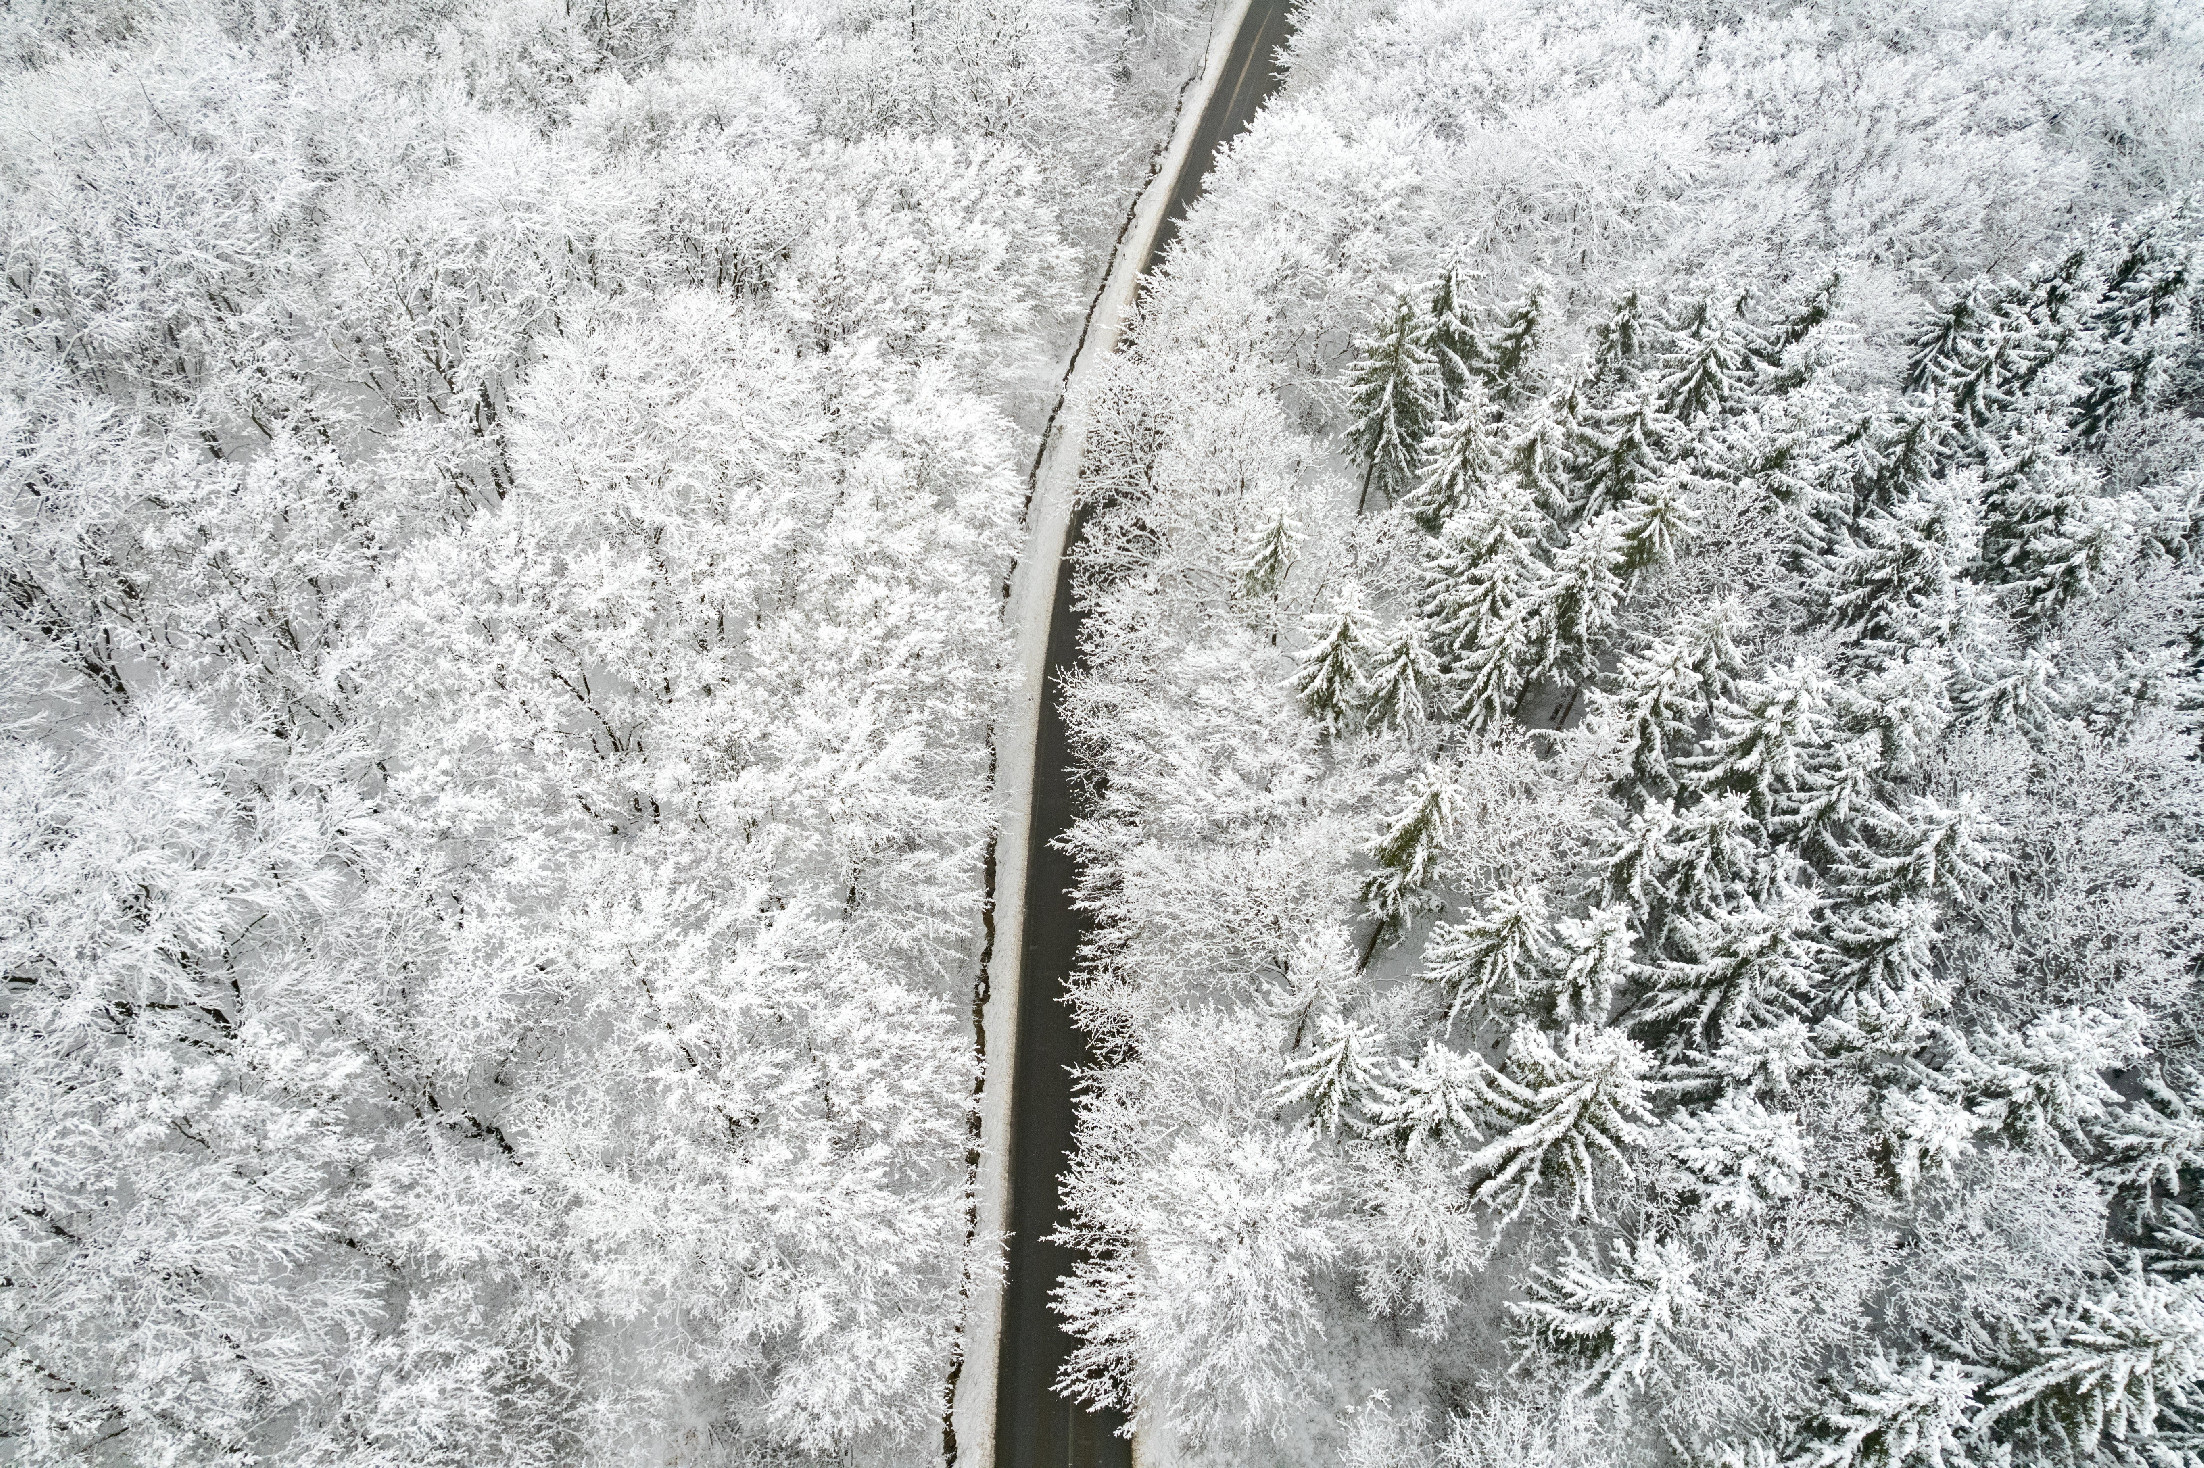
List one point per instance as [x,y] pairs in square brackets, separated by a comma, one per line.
[1331,677]
[1393,391]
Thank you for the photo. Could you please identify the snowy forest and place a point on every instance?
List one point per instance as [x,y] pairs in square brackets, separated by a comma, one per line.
[1642,698]
[506,513]
[1639,714]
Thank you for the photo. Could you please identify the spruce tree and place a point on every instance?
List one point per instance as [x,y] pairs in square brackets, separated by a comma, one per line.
[1653,712]
[1901,461]
[1927,849]
[1491,955]
[1619,1322]
[1341,1080]
[1911,1414]
[1507,359]
[1393,392]
[1657,522]
[1485,562]
[1703,371]
[1565,1106]
[1619,343]
[1945,336]
[1747,967]
[1462,464]
[1884,955]
[1443,1100]
[1407,859]
[1768,739]
[1331,676]
[1263,570]
[1545,453]
[1576,603]
[1594,963]
[1628,446]
[1455,350]
[1405,681]
[2097,1371]
[1898,578]
[1714,855]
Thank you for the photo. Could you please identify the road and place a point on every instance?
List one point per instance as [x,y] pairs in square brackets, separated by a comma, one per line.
[1036,1428]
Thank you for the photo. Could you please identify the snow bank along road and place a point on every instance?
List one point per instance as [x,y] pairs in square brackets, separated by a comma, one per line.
[1005,1415]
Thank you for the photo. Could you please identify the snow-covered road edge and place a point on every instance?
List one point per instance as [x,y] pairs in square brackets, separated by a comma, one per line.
[1028,608]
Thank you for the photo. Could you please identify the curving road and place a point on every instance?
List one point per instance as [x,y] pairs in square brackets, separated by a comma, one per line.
[1034,1427]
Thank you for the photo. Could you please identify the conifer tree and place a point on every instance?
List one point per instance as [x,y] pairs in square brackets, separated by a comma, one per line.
[1817,308]
[1455,350]
[1461,465]
[1618,1325]
[2097,1371]
[1393,390]
[1629,444]
[1499,950]
[1748,967]
[1619,343]
[1657,522]
[1489,680]
[1507,359]
[1897,579]
[1443,1100]
[1740,1156]
[1927,849]
[1594,962]
[1902,460]
[1633,861]
[1331,677]
[1704,369]
[2045,1085]
[1407,857]
[1767,740]
[1341,1080]
[1543,455]
[1713,855]
[1837,790]
[1404,682]
[1653,712]
[1263,570]
[1576,603]
[1566,1106]
[2155,1146]
[1946,336]
[1484,563]
[1911,1414]
[1884,955]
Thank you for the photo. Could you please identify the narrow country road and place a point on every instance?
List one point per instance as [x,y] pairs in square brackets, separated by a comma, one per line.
[1036,1428]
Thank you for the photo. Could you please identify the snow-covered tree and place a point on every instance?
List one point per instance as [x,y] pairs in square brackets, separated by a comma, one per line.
[1491,956]
[1564,1106]
[1332,674]
[1341,1080]
[1462,462]
[1593,960]
[2099,1369]
[1751,965]
[1263,569]
[1407,856]
[1442,1100]
[1404,681]
[1740,1155]
[1393,391]
[1614,1315]
[1893,1414]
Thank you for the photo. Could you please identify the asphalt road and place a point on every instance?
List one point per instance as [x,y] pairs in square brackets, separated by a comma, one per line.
[1036,1428]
